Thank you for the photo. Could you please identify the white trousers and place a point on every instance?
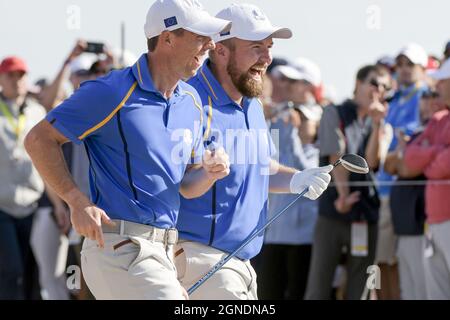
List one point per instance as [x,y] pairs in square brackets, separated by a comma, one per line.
[411,267]
[130,268]
[236,280]
[50,249]
[437,267]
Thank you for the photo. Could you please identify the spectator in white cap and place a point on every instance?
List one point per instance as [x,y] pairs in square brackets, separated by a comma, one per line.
[402,119]
[301,78]
[130,122]
[280,85]
[305,78]
[220,220]
[430,154]
[286,254]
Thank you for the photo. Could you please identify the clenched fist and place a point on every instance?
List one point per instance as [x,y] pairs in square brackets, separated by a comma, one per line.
[216,163]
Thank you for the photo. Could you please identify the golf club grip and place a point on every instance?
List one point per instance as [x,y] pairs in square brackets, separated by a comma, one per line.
[218,265]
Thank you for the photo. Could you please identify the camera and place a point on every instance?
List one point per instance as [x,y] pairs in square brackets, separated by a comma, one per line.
[95,47]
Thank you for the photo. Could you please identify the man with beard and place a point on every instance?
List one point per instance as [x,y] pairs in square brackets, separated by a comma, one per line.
[219,221]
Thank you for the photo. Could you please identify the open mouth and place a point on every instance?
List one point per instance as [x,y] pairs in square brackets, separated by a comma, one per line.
[256,72]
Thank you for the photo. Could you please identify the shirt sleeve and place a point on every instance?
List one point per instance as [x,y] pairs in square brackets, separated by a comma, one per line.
[84,112]
[439,168]
[331,138]
[420,152]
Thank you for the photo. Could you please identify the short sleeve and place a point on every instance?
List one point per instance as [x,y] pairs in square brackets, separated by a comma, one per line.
[331,138]
[79,116]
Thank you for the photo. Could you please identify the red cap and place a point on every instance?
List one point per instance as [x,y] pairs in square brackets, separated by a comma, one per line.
[10,64]
[433,63]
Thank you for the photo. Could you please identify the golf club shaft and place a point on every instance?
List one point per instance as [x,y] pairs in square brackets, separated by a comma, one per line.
[219,265]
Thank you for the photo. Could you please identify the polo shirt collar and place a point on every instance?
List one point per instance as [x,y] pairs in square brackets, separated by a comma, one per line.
[405,90]
[213,87]
[144,78]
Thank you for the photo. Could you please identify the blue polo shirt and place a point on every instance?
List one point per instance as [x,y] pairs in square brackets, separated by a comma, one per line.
[296,225]
[138,142]
[237,205]
[403,114]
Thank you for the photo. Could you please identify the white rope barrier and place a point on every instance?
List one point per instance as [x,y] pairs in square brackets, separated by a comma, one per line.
[392,183]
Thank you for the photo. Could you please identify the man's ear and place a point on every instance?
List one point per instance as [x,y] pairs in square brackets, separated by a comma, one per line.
[166,38]
[221,50]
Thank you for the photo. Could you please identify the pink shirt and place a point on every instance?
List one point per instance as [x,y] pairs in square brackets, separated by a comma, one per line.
[430,153]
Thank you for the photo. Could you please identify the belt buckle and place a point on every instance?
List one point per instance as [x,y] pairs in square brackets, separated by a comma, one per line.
[167,235]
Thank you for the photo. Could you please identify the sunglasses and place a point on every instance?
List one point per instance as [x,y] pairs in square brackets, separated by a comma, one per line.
[430,94]
[376,84]
[404,63]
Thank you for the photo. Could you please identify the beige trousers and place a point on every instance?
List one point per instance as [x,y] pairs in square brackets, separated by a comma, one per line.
[236,280]
[130,268]
[437,267]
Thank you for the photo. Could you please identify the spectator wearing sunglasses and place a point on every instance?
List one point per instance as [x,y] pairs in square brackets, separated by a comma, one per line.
[402,121]
[352,127]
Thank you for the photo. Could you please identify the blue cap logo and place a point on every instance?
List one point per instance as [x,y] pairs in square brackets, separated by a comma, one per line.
[169,22]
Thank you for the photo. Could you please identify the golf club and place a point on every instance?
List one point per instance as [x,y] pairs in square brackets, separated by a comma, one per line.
[351,162]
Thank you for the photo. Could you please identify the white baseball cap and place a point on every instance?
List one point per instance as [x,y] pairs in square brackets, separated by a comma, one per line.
[187,14]
[249,23]
[443,72]
[312,112]
[82,63]
[415,53]
[302,69]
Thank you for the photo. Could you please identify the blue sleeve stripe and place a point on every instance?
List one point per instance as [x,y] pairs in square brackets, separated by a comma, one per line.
[109,117]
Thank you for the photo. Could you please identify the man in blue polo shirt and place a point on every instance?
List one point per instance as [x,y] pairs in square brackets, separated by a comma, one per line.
[220,220]
[403,118]
[141,127]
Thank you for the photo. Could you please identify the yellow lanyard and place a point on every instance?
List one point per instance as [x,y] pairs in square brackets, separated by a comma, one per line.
[405,99]
[17,125]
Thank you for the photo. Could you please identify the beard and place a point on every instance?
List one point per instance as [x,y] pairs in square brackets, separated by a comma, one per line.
[243,81]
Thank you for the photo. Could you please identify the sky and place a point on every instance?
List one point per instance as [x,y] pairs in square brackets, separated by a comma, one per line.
[340,35]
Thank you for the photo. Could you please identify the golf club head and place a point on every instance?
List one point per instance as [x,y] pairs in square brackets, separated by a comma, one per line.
[354,163]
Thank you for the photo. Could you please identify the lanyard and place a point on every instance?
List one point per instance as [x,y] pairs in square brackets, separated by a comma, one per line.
[17,125]
[406,98]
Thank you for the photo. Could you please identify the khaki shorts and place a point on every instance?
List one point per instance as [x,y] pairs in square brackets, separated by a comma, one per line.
[130,268]
[236,280]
